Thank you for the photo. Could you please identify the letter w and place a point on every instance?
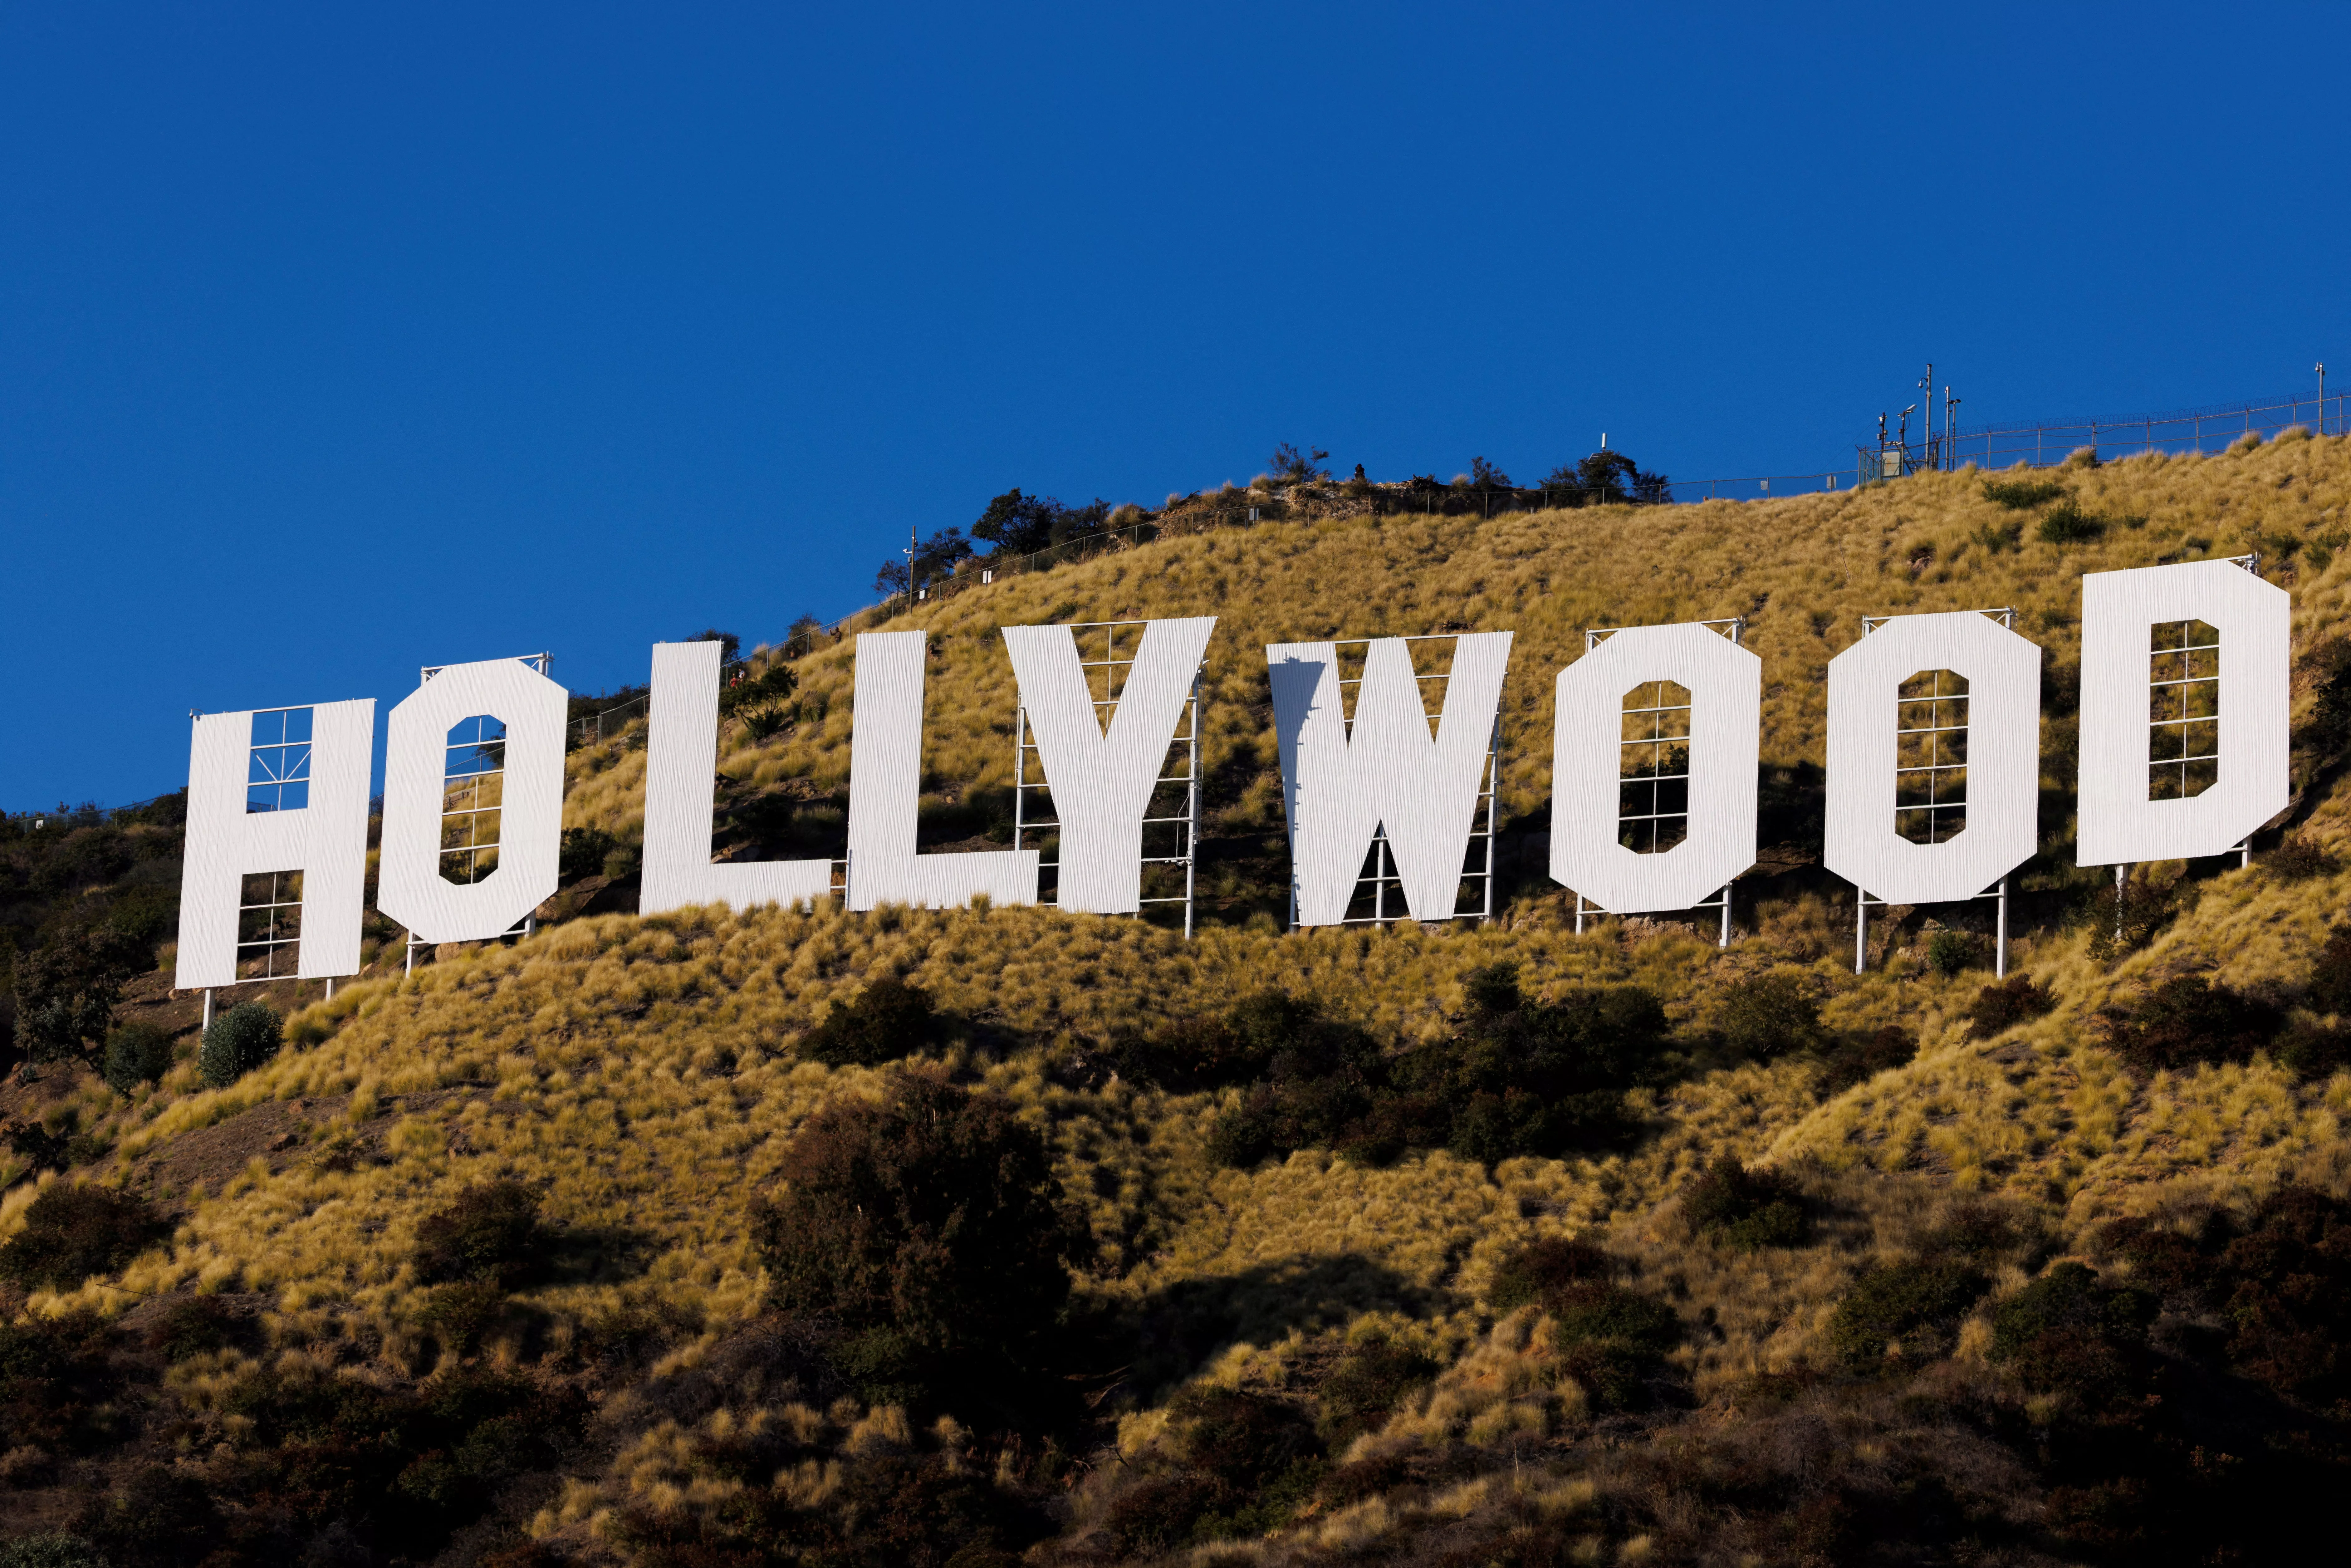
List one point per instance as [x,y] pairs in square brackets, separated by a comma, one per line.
[1339,788]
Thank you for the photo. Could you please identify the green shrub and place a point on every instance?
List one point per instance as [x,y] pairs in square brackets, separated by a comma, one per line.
[72,1232]
[2067,524]
[2069,1332]
[1864,1056]
[2187,1020]
[888,1019]
[136,1053]
[488,1233]
[1904,1309]
[239,1040]
[583,852]
[2006,1003]
[931,1212]
[460,1313]
[2300,857]
[192,1327]
[1746,1209]
[1543,1270]
[2329,987]
[1368,1382]
[2023,493]
[1771,1015]
[1948,952]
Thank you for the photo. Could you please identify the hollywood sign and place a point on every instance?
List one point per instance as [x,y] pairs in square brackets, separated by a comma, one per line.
[2154,707]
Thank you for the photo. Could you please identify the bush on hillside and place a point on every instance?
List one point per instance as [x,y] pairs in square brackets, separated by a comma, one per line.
[73,1232]
[1948,952]
[2279,1280]
[1903,1311]
[2188,1021]
[2021,494]
[1369,1381]
[489,1233]
[196,1326]
[931,1215]
[1771,1015]
[2328,989]
[1519,1078]
[2070,1332]
[583,852]
[1745,1207]
[237,1042]
[2299,858]
[1614,1338]
[2007,1003]
[2124,920]
[887,1020]
[66,991]
[136,1053]
[1862,1056]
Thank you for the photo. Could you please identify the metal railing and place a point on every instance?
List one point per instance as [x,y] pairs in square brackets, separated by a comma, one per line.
[2043,444]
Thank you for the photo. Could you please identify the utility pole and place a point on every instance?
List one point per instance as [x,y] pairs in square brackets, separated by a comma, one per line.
[913,535]
[1926,383]
[1950,411]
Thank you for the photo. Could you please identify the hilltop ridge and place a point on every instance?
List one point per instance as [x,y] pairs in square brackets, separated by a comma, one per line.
[1379,1313]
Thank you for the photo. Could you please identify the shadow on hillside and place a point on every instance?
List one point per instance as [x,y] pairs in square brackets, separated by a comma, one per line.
[597,1255]
[1174,1332]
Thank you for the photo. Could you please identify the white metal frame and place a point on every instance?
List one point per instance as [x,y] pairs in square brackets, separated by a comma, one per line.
[1382,872]
[543,663]
[2006,615]
[1592,636]
[1112,687]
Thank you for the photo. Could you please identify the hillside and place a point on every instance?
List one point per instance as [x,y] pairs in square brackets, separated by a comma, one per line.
[1351,1347]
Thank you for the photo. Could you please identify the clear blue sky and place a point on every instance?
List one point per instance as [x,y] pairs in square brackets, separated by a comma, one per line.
[335,341]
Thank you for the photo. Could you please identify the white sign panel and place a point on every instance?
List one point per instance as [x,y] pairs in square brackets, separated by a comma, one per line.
[1726,686]
[885,787]
[2121,732]
[2002,748]
[1338,787]
[1102,782]
[409,887]
[241,821]
[681,763]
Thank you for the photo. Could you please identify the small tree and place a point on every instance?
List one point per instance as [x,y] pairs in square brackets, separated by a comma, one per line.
[931,1215]
[239,1040]
[136,1053]
[933,559]
[66,991]
[1484,476]
[1293,466]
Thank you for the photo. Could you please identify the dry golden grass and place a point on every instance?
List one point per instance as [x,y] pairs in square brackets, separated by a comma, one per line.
[640,1071]
[1803,571]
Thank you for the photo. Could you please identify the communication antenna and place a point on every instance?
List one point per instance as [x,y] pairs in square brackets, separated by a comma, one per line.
[2322,397]
[1950,423]
[1926,385]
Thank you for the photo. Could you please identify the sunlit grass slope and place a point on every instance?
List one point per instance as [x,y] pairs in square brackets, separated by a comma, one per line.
[1803,571]
[641,1072]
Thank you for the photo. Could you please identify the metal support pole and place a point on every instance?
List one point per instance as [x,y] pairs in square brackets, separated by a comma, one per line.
[330,987]
[208,1006]
[1579,915]
[1380,876]
[1860,931]
[2122,874]
[1999,942]
[1725,943]
[1192,810]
